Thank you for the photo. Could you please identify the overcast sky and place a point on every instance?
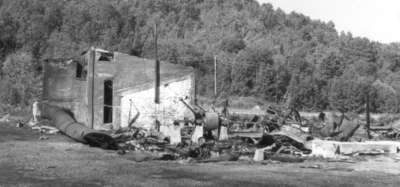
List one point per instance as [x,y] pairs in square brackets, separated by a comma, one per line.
[377,20]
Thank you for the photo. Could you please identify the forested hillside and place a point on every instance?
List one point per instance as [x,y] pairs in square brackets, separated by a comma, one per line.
[261,50]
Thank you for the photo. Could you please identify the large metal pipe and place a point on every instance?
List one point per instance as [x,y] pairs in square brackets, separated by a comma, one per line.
[64,121]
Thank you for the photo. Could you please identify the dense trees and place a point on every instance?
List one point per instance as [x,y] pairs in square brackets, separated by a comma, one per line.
[261,51]
[22,83]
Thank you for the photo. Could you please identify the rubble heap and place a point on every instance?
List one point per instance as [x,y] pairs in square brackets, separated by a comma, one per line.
[278,134]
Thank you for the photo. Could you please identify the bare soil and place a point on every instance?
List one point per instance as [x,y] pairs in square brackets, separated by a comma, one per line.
[27,161]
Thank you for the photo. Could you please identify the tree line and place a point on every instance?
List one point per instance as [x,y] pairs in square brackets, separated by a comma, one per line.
[261,51]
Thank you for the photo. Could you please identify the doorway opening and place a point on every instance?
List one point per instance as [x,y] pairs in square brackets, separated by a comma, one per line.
[108,101]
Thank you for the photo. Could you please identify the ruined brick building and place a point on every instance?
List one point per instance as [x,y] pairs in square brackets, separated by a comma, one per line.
[106,89]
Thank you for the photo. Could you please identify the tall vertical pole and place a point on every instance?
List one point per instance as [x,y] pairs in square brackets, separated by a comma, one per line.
[276,89]
[368,125]
[195,82]
[91,73]
[215,77]
[157,68]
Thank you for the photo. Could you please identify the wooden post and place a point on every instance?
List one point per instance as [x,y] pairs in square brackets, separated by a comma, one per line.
[368,125]
[91,75]
[215,77]
[195,82]
[157,69]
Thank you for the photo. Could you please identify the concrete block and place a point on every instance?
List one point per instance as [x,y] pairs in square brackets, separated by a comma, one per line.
[331,149]
[198,133]
[173,132]
[223,134]
[258,155]
[353,147]
[175,135]
[326,149]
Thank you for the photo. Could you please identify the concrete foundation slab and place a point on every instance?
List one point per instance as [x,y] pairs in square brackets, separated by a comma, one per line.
[331,149]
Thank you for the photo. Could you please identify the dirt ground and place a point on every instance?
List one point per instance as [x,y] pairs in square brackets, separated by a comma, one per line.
[27,161]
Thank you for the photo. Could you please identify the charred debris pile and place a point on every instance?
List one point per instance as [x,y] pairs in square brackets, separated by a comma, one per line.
[276,134]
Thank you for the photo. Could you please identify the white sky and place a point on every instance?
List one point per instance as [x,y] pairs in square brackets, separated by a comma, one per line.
[378,20]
